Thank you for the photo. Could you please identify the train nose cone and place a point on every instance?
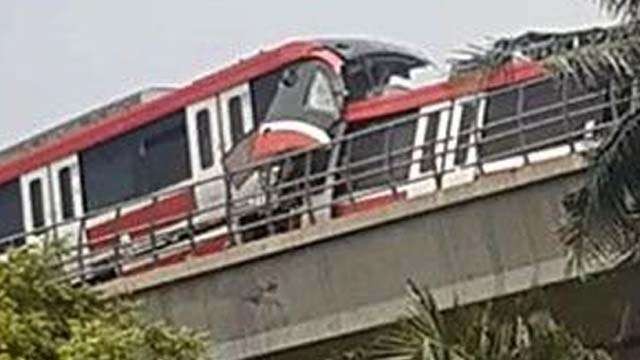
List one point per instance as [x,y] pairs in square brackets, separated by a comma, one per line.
[269,143]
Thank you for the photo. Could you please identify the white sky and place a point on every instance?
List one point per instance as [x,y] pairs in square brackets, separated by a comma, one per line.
[60,58]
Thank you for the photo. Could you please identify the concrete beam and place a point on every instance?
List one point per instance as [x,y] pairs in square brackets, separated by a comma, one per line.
[487,239]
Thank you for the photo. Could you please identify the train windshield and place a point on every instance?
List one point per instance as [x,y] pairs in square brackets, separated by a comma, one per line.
[372,68]
[308,92]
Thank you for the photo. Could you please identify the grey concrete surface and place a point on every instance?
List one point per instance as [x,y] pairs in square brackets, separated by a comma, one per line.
[487,239]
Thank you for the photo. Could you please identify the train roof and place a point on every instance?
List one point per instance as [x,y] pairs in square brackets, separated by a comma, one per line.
[447,90]
[103,124]
[352,49]
[25,158]
[90,117]
[521,55]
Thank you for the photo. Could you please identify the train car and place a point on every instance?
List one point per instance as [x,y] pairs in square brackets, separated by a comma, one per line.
[448,133]
[373,122]
[145,168]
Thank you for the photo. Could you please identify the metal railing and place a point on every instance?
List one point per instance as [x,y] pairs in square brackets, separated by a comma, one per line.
[296,189]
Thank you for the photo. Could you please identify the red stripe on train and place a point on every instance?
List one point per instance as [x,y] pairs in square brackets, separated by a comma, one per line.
[141,221]
[143,114]
[277,142]
[445,91]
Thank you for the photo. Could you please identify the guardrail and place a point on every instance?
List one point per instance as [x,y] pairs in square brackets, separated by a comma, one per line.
[291,191]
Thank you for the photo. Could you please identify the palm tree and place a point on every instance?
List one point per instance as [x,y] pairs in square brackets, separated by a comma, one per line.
[601,223]
[519,332]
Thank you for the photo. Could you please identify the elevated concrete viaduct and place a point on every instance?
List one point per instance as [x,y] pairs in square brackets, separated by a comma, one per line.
[485,240]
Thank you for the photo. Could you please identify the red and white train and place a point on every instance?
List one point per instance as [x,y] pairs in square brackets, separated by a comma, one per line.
[295,97]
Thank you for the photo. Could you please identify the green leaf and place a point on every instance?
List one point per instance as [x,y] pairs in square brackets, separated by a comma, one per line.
[44,318]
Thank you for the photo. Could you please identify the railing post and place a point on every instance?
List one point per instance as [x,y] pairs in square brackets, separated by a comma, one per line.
[117,251]
[152,235]
[388,160]
[477,134]
[521,131]
[80,250]
[307,186]
[228,203]
[448,138]
[191,231]
[347,170]
[268,201]
[56,235]
[565,112]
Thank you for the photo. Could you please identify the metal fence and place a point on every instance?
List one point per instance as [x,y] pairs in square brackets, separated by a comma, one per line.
[297,189]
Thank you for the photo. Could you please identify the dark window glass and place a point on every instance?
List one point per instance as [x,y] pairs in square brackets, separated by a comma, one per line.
[365,148]
[542,114]
[66,193]
[11,220]
[356,81]
[428,162]
[467,124]
[500,107]
[136,164]
[205,147]
[236,119]
[263,91]
[307,91]
[37,203]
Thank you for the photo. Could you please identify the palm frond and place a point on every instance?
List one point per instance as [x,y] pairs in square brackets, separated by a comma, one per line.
[602,225]
[519,329]
[421,334]
[623,9]
[587,56]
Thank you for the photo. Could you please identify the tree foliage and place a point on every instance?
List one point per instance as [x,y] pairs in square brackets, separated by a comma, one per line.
[43,317]
[522,331]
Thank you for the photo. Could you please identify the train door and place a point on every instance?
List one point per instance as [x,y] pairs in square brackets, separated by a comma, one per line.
[68,207]
[206,158]
[460,157]
[238,125]
[237,116]
[37,206]
[428,154]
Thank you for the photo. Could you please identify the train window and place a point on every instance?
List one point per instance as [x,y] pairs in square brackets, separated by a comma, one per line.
[499,120]
[66,193]
[356,81]
[314,97]
[467,124]
[236,119]
[11,220]
[37,203]
[540,94]
[369,149]
[428,162]
[544,98]
[165,161]
[138,163]
[263,91]
[205,147]
[320,96]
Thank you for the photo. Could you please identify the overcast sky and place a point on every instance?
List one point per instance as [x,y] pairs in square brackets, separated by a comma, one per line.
[60,58]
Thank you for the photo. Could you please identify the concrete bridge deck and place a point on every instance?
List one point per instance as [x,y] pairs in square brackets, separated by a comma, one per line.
[487,239]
